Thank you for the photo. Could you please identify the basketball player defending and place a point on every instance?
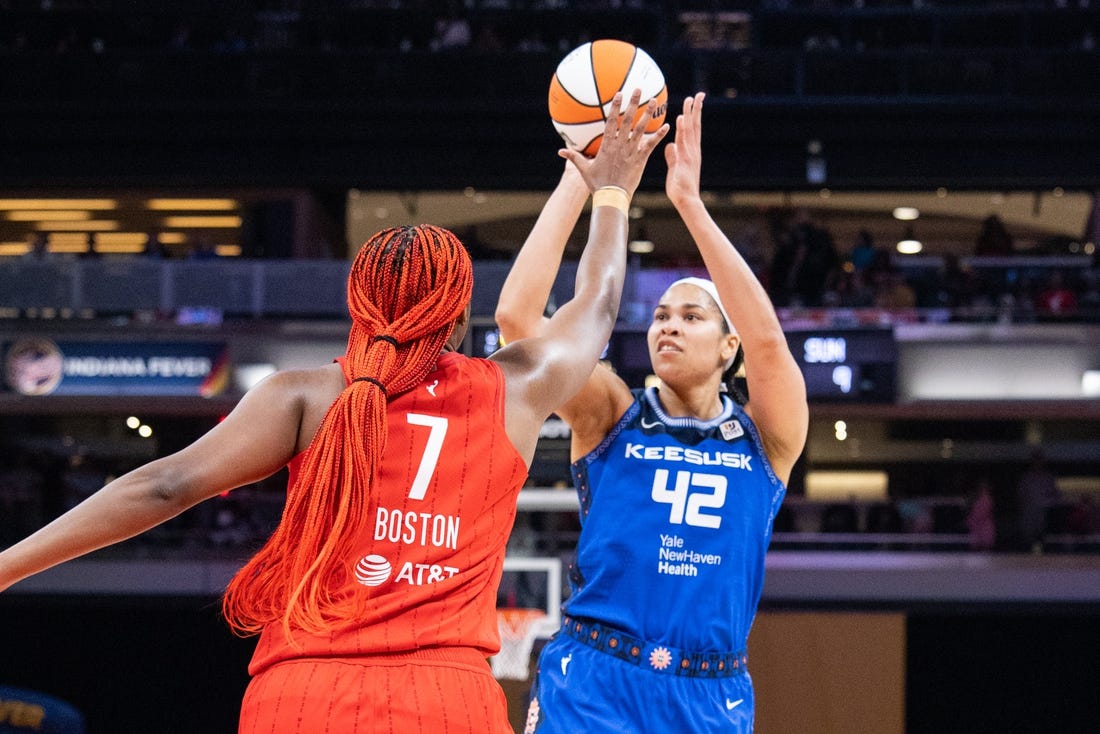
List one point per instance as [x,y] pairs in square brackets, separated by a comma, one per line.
[678,484]
[375,597]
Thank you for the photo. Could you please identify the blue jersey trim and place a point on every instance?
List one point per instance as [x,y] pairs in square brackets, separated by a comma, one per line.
[651,397]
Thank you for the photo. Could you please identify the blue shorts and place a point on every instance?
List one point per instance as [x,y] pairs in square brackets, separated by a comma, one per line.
[580,688]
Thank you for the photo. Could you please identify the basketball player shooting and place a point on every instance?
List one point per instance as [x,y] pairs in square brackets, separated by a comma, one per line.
[678,484]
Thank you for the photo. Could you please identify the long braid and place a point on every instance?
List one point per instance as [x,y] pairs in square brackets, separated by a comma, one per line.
[406,289]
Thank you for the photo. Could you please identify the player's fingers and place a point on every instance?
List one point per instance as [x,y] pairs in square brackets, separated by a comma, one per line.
[697,111]
[577,159]
[695,114]
[614,116]
[699,116]
[681,130]
[670,155]
[642,120]
[649,142]
[630,114]
[687,123]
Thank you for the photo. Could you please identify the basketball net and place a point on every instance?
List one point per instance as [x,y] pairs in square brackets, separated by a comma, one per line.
[519,627]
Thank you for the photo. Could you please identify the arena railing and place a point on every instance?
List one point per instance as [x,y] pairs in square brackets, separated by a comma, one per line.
[253,288]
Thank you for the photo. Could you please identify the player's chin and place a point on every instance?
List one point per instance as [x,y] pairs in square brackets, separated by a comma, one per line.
[667,365]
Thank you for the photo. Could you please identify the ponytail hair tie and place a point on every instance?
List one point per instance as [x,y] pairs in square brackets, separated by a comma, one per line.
[375,382]
[384,338]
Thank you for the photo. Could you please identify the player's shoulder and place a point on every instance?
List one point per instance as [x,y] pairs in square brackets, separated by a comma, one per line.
[460,363]
[311,383]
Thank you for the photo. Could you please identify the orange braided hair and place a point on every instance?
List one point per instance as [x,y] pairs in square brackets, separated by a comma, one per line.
[406,289]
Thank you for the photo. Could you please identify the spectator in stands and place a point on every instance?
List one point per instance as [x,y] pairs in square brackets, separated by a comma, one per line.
[863,252]
[154,248]
[40,246]
[850,290]
[488,39]
[961,287]
[203,248]
[750,241]
[230,526]
[90,251]
[785,521]
[993,238]
[1084,516]
[451,32]
[892,291]
[69,41]
[1091,232]
[180,40]
[232,41]
[532,42]
[1036,491]
[21,489]
[840,517]
[884,517]
[81,478]
[1088,304]
[821,39]
[1056,301]
[981,523]
[805,260]
[20,42]
[916,517]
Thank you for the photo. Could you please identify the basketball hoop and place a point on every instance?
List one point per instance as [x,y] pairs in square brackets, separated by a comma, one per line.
[519,627]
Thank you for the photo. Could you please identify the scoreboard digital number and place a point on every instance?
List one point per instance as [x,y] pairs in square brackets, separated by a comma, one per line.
[856,365]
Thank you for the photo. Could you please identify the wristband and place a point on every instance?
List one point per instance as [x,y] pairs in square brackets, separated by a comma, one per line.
[613,196]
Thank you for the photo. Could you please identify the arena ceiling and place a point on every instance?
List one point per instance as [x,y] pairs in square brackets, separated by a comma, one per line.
[498,220]
[947,221]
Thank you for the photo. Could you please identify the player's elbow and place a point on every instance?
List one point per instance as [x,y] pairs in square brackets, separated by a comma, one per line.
[604,302]
[769,348]
[163,485]
[510,326]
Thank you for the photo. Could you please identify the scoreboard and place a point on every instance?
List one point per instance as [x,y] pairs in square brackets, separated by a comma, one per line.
[853,365]
[856,365]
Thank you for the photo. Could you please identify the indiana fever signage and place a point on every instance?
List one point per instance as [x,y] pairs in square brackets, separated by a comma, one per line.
[39,366]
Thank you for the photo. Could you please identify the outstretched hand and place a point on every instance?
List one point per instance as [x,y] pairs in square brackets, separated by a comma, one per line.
[684,155]
[625,147]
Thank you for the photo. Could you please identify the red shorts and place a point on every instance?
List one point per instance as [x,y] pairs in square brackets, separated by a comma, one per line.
[430,691]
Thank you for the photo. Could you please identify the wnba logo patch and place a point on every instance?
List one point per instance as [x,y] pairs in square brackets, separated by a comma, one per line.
[731,430]
[372,570]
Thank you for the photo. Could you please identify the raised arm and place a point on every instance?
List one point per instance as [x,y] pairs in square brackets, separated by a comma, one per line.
[777,391]
[594,408]
[254,441]
[546,369]
[526,290]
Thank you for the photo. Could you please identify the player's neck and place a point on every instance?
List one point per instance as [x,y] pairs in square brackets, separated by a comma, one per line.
[703,403]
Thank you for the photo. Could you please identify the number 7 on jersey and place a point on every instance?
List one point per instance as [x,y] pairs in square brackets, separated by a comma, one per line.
[438,429]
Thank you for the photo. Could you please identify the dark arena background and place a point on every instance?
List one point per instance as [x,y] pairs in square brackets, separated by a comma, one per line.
[182,185]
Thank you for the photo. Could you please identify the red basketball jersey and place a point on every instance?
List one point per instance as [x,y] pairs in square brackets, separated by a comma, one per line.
[431,556]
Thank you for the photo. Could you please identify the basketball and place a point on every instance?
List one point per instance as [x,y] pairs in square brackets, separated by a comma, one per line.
[586,81]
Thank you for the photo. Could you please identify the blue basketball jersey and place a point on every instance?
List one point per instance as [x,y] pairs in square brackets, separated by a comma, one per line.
[676,516]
